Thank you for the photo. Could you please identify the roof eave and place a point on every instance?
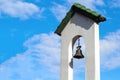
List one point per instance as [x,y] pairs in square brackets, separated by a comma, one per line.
[77,8]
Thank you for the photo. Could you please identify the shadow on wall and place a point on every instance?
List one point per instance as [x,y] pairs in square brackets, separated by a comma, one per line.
[81,20]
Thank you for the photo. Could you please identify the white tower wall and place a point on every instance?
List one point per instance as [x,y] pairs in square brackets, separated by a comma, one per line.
[87,28]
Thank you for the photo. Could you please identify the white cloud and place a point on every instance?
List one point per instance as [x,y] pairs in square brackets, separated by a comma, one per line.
[115,3]
[19,9]
[37,79]
[60,10]
[40,61]
[110,55]
[42,58]
[89,3]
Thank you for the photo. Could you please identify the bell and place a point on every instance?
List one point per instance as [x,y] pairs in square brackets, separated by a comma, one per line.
[78,54]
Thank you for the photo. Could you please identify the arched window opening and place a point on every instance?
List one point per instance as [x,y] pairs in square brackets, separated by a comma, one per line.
[78,63]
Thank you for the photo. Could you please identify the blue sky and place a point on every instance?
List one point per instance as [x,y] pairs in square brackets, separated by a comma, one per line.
[29,49]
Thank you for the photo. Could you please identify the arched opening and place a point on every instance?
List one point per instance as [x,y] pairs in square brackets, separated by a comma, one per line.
[78,64]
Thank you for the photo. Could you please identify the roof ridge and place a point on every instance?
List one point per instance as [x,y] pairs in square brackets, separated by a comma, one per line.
[83,7]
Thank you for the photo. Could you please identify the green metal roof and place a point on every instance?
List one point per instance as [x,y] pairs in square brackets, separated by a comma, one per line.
[81,10]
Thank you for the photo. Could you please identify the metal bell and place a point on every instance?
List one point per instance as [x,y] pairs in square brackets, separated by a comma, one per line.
[78,54]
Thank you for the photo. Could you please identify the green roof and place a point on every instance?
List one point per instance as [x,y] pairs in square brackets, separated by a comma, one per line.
[81,10]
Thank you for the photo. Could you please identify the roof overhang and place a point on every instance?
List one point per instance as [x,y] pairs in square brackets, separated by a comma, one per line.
[80,9]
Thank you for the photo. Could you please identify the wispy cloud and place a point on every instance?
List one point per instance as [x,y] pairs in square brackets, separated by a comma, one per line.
[60,10]
[89,3]
[41,58]
[19,9]
[115,3]
[110,55]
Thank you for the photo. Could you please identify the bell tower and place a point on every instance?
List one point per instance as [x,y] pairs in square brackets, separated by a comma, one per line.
[80,22]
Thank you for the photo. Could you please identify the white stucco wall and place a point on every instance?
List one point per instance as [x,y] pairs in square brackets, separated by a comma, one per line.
[87,28]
